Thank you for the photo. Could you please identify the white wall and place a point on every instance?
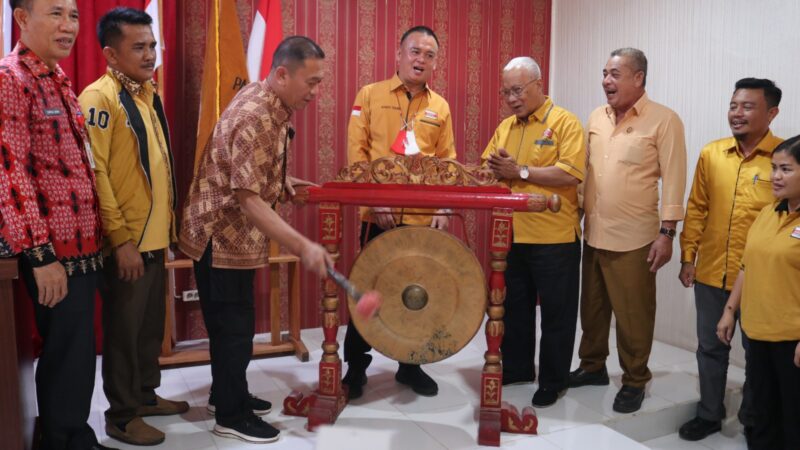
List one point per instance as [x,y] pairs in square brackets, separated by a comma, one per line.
[696,50]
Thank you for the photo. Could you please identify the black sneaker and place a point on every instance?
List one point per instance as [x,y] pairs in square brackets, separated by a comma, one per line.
[412,375]
[628,399]
[545,397]
[252,429]
[580,377]
[260,407]
[697,429]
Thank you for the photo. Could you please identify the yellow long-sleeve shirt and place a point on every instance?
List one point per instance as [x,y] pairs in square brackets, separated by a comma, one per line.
[727,193]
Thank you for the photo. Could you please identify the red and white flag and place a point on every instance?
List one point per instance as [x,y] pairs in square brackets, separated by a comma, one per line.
[266,34]
[151,7]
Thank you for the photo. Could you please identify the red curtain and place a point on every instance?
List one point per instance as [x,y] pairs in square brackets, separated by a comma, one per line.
[360,38]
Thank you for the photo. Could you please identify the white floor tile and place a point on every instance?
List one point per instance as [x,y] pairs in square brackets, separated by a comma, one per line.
[595,437]
[673,442]
[391,416]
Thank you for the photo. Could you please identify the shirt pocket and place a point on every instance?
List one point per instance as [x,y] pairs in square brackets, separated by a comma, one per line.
[633,151]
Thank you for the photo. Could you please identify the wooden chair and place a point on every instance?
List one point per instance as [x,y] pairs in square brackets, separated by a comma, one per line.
[172,352]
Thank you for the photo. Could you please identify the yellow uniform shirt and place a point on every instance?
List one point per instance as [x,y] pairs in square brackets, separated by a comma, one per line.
[552,136]
[727,194]
[626,161]
[135,202]
[379,111]
[771,263]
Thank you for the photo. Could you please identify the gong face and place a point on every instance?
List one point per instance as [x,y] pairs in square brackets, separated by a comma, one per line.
[433,290]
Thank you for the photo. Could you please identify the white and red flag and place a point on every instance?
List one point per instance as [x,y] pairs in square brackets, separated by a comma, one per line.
[152,8]
[266,34]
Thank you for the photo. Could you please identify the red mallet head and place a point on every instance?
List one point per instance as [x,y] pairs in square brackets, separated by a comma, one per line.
[368,304]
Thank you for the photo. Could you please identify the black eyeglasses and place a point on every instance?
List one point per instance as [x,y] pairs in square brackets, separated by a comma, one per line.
[516,91]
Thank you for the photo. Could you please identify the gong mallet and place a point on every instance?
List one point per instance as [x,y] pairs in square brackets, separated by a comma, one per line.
[367,304]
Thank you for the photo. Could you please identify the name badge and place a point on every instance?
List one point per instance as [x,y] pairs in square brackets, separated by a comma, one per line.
[544,142]
[50,112]
[796,233]
[89,154]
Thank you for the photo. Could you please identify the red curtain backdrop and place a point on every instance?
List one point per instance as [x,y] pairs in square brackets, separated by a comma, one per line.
[360,38]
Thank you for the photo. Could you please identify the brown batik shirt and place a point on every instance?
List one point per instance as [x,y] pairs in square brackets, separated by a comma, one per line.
[246,151]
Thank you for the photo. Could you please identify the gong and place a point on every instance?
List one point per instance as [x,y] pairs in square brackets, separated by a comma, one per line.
[434,294]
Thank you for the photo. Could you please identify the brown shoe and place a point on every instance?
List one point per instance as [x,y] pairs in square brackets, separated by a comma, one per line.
[163,407]
[137,432]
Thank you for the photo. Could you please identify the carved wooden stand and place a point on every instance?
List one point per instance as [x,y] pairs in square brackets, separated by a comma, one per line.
[454,187]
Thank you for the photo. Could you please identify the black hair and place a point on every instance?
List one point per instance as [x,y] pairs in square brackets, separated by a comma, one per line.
[772,93]
[420,29]
[26,4]
[790,146]
[294,50]
[109,28]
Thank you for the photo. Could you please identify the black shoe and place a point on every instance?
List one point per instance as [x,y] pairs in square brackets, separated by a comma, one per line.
[580,377]
[509,379]
[260,407]
[697,429]
[356,377]
[628,399]
[252,429]
[545,397]
[420,382]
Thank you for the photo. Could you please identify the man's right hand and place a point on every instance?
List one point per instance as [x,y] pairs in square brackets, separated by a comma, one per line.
[383,217]
[687,274]
[130,266]
[316,259]
[51,281]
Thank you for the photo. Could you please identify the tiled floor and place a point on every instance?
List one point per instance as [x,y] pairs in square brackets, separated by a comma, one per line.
[390,416]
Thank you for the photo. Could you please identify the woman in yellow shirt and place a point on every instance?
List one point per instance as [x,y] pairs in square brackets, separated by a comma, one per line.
[768,287]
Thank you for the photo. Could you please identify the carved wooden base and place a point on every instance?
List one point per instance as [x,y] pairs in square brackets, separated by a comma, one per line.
[514,422]
[320,409]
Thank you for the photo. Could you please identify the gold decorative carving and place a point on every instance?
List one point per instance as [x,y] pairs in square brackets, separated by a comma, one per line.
[417,169]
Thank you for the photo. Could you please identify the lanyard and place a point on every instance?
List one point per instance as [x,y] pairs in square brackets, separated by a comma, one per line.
[406,124]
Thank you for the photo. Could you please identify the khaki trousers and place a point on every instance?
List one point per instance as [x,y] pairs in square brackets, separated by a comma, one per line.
[618,282]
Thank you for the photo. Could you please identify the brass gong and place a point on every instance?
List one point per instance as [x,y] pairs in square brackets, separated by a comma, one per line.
[433,289]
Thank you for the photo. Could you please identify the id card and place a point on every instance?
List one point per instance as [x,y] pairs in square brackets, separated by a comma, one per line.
[796,233]
[89,154]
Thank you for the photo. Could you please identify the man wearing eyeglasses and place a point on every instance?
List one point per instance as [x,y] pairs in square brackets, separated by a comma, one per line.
[539,149]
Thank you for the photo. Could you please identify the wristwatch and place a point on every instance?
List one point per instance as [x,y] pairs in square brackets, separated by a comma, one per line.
[668,232]
[524,172]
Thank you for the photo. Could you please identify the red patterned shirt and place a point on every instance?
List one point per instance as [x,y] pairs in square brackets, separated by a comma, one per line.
[47,196]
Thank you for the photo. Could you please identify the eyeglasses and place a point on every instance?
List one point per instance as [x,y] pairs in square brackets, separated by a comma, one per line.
[515,91]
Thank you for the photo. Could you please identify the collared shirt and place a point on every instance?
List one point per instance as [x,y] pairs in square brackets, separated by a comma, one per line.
[135,201]
[771,263]
[47,196]
[379,113]
[247,150]
[552,136]
[626,160]
[727,194]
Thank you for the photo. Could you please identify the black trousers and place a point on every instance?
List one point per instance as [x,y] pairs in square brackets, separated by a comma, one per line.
[66,369]
[226,298]
[551,272]
[775,394]
[133,328]
[355,347]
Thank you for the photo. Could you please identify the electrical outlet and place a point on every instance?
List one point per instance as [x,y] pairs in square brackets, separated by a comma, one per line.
[191,295]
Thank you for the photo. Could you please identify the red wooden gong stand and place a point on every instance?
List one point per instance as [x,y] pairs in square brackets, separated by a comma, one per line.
[324,405]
